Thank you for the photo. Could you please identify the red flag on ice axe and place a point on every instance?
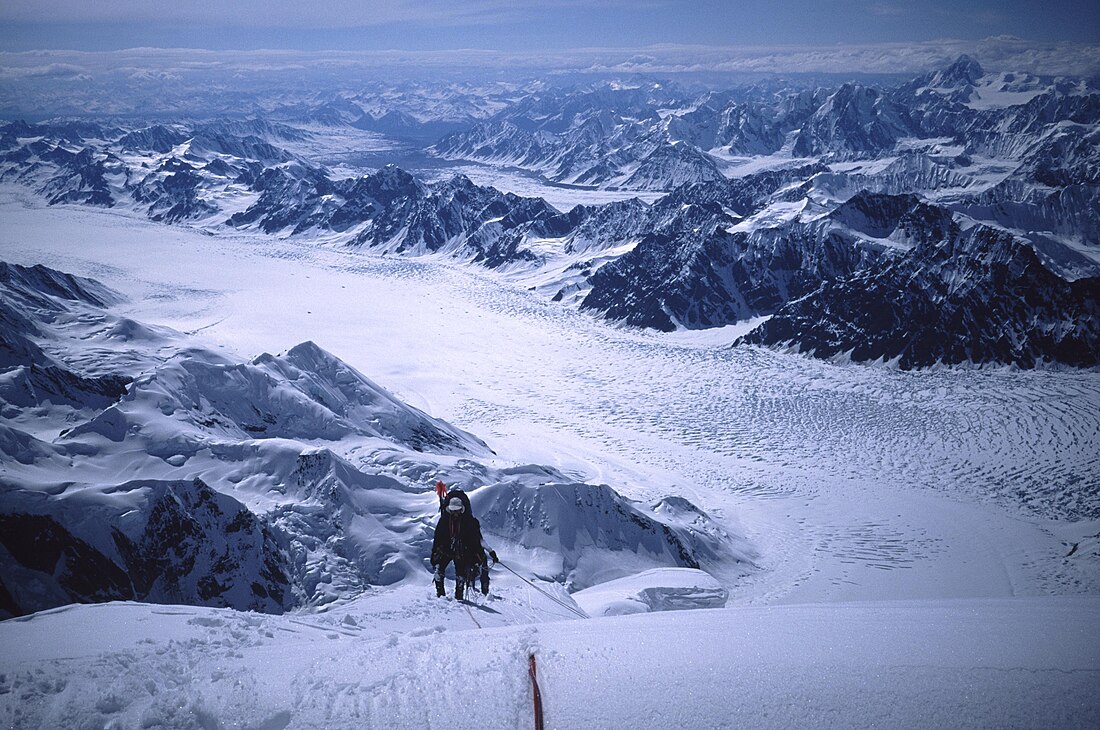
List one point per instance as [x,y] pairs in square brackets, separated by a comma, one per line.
[441,492]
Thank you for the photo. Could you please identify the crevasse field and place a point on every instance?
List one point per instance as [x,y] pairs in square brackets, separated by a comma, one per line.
[919,546]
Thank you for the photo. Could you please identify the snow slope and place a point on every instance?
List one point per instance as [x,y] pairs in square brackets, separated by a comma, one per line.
[958,664]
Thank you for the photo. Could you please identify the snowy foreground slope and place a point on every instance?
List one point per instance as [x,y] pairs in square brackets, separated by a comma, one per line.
[408,661]
[917,549]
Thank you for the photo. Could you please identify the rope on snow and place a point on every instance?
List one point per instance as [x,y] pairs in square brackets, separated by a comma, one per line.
[553,598]
[535,691]
[471,614]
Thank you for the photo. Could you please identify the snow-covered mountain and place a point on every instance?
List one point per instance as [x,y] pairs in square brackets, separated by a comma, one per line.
[763,182]
[602,135]
[290,480]
[155,541]
[854,120]
[247,516]
[871,496]
[32,298]
[391,211]
[962,296]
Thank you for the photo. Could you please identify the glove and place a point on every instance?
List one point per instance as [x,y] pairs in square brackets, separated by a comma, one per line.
[493,555]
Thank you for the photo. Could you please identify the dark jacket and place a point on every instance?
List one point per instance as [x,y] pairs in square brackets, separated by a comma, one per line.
[458,539]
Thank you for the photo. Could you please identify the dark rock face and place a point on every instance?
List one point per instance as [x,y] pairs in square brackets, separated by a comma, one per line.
[83,179]
[196,547]
[39,543]
[29,283]
[395,211]
[34,384]
[694,272]
[721,279]
[156,138]
[175,196]
[979,296]
[201,546]
[936,294]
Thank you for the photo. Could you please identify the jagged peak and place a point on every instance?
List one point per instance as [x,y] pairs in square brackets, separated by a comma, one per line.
[850,91]
[866,201]
[880,214]
[310,349]
[964,69]
[391,178]
[459,181]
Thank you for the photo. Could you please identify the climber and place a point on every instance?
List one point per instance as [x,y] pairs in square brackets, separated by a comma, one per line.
[458,539]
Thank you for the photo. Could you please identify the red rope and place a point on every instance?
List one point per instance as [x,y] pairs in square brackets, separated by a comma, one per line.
[537,694]
[471,614]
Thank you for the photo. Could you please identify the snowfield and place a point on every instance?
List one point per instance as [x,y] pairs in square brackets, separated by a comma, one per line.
[414,662]
[913,548]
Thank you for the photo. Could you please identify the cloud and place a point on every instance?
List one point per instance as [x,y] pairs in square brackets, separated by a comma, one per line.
[995,54]
[1003,53]
[283,14]
[888,9]
[45,72]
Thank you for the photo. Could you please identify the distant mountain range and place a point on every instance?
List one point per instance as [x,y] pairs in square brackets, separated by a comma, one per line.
[844,214]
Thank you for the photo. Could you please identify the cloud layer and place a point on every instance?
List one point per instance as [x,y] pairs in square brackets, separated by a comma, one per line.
[995,54]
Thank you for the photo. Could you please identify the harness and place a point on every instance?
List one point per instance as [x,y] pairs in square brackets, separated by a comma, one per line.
[455,533]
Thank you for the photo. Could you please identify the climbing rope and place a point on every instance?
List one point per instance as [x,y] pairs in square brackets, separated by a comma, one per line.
[471,615]
[535,691]
[553,598]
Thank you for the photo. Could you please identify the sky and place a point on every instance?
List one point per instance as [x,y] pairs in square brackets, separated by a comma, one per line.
[536,25]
